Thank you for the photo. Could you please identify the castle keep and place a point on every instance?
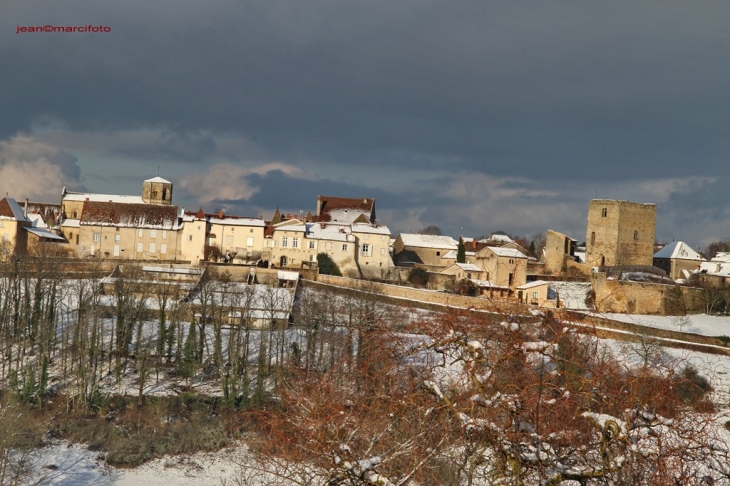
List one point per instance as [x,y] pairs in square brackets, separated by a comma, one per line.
[620,233]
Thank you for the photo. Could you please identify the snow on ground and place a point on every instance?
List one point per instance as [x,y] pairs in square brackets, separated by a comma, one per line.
[572,294]
[62,464]
[703,324]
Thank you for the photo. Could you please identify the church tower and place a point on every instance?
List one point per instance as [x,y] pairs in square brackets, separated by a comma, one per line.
[157,191]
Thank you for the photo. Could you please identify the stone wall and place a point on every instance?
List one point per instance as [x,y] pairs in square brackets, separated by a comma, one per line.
[422,295]
[644,298]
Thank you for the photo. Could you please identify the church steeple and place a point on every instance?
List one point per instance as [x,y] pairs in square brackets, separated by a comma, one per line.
[157,191]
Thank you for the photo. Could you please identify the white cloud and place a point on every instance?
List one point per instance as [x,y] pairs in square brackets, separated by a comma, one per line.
[36,170]
[226,181]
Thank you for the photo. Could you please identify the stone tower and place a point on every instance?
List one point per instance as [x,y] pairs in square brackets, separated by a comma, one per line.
[620,233]
[157,191]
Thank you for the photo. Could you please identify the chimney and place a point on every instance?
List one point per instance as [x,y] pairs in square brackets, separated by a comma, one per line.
[220,214]
[365,200]
[25,210]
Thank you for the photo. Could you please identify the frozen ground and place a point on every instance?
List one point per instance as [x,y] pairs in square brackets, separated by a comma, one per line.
[572,294]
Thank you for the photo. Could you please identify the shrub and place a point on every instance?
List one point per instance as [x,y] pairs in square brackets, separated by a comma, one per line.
[418,277]
[327,266]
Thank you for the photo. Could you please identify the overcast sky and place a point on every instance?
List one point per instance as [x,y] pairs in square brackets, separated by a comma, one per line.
[475,116]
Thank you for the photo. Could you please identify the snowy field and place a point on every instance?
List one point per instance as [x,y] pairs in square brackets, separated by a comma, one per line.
[703,324]
[62,464]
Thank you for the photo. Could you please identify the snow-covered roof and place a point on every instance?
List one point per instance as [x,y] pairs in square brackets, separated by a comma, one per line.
[498,238]
[721,256]
[370,229]
[286,275]
[429,241]
[486,284]
[114,198]
[158,179]
[468,267]
[678,250]
[715,267]
[151,216]
[11,210]
[507,252]
[71,223]
[36,221]
[44,233]
[536,283]
[451,254]
[237,221]
[334,232]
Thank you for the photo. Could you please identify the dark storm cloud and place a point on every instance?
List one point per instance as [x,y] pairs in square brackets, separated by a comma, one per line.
[506,114]
[507,88]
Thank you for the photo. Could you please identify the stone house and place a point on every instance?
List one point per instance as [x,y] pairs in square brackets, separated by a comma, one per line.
[679,260]
[127,231]
[503,267]
[13,224]
[119,226]
[620,233]
[467,271]
[536,293]
[410,249]
[232,238]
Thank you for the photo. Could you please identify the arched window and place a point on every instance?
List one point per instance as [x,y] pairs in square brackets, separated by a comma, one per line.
[164,195]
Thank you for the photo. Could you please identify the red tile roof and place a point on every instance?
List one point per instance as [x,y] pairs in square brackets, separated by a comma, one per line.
[134,215]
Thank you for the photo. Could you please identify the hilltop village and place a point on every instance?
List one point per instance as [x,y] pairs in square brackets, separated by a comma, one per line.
[626,270]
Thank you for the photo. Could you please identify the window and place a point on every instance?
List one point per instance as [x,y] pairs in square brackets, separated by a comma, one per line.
[382,251]
[535,295]
[270,243]
[117,228]
[76,215]
[511,261]
[284,241]
[593,237]
[365,250]
[164,234]
[636,234]
[140,233]
[6,237]
[604,212]
[438,253]
[311,258]
[190,237]
[153,233]
[154,194]
[328,246]
[251,231]
[97,236]
[312,245]
[229,240]
[163,248]
[153,247]
[295,244]
[117,238]
[140,249]
[249,241]
[116,250]
[344,247]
